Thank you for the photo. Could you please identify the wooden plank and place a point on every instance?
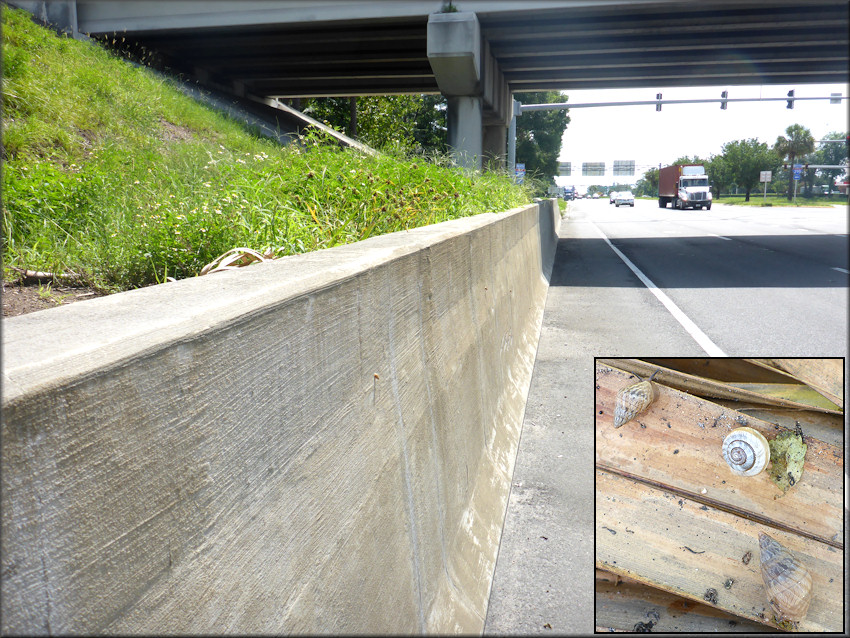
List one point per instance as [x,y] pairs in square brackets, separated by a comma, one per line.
[796,392]
[701,386]
[689,548]
[829,428]
[722,369]
[824,375]
[629,604]
[676,444]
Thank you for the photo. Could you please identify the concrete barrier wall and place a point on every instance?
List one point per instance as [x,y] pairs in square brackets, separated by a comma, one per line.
[319,444]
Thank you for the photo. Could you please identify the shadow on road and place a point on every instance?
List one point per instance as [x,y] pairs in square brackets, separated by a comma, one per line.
[763,261]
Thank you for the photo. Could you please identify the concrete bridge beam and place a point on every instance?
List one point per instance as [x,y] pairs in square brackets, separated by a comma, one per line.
[478,97]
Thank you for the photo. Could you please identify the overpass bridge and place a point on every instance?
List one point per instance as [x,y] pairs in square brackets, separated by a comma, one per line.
[475,52]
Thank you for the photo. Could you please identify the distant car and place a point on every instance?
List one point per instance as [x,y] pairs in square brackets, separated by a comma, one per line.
[612,197]
[595,195]
[624,199]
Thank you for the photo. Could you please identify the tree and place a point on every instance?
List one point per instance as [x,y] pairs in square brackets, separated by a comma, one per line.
[831,154]
[647,186]
[798,144]
[409,121]
[538,135]
[430,132]
[616,188]
[719,175]
[745,159]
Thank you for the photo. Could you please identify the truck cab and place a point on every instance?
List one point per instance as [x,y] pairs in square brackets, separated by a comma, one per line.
[693,192]
[684,186]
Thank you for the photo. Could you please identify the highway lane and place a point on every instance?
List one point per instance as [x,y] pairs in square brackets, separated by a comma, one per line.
[758,281]
[754,281]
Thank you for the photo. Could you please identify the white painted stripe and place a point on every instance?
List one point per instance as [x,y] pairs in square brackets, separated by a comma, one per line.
[690,327]
[846,272]
[720,236]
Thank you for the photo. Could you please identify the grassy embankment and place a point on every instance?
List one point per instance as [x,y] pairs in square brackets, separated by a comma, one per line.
[780,200]
[112,174]
[774,200]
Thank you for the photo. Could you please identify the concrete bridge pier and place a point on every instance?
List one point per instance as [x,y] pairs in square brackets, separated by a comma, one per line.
[479,101]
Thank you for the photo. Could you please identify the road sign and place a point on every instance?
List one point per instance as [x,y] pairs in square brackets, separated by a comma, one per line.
[764,176]
[565,169]
[520,173]
[798,171]
[624,167]
[593,169]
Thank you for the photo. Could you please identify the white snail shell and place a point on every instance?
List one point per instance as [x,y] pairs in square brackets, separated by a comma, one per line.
[632,400]
[786,579]
[746,451]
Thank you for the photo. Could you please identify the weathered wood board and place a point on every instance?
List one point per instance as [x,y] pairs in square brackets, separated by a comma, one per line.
[722,369]
[828,428]
[691,549]
[701,386]
[824,375]
[623,606]
[676,445]
[797,392]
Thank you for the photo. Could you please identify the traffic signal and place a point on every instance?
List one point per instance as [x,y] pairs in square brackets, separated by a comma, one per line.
[723,97]
[658,104]
[789,104]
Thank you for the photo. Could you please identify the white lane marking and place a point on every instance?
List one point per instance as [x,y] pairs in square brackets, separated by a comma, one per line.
[690,327]
[720,236]
[846,272]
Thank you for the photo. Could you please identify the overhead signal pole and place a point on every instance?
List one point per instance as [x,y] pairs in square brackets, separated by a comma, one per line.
[519,109]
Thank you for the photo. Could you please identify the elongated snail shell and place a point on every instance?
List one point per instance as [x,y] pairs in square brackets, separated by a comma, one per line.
[632,400]
[786,579]
[746,451]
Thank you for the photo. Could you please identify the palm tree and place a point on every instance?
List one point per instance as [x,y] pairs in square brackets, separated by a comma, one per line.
[798,144]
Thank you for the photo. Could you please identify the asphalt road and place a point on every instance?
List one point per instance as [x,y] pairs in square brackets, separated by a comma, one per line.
[738,281]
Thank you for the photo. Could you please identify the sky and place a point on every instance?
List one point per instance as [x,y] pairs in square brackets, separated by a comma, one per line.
[651,138]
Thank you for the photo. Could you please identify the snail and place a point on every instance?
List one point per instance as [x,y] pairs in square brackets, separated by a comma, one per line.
[633,399]
[787,581]
[746,451]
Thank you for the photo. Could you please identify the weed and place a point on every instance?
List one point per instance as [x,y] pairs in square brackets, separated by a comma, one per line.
[97,181]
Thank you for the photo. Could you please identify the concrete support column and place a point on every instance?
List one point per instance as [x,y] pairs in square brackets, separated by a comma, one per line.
[493,143]
[465,131]
[478,96]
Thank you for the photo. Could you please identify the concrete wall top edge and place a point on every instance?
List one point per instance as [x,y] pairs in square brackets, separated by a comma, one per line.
[51,347]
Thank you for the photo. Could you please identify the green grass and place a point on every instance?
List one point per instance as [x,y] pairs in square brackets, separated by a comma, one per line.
[780,200]
[112,173]
[773,200]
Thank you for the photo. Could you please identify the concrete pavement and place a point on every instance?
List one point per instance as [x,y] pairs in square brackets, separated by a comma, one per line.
[544,579]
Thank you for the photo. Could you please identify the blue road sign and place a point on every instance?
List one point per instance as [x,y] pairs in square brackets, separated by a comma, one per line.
[798,171]
[520,173]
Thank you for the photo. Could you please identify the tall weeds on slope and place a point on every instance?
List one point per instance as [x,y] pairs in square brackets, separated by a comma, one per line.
[112,173]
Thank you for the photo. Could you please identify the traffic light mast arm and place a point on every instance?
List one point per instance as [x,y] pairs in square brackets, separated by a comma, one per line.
[567,105]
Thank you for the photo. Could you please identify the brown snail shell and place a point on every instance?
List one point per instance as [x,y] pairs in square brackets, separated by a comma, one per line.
[632,400]
[786,579]
[746,451]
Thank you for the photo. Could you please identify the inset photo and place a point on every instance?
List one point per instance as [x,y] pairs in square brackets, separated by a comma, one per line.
[719,495]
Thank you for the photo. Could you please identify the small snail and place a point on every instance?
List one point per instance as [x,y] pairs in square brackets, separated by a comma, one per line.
[787,581]
[633,399]
[746,451]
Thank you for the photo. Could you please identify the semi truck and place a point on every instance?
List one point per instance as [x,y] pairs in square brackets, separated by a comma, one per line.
[684,186]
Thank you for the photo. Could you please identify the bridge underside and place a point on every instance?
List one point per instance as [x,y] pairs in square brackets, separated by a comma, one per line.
[599,45]
[291,49]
